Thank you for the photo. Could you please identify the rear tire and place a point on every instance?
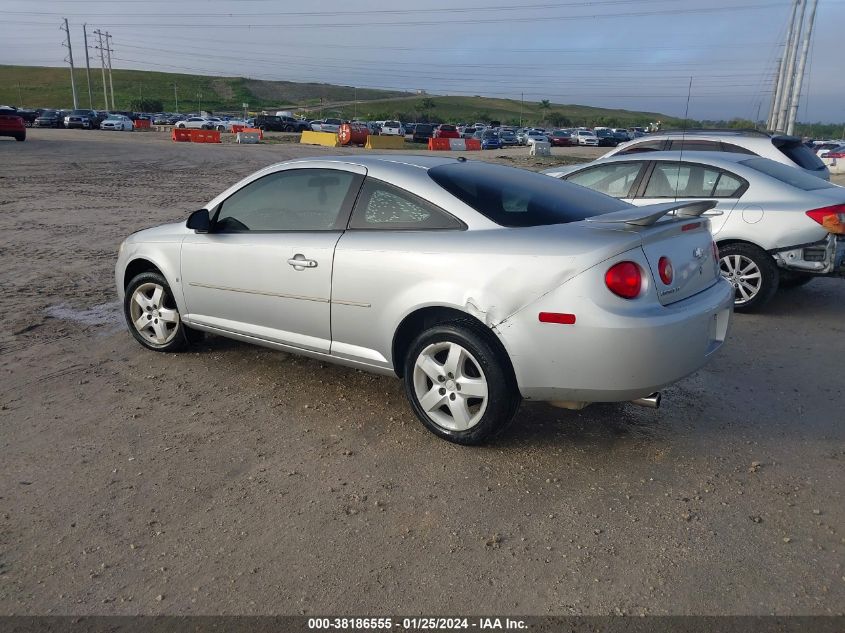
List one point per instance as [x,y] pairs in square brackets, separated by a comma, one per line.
[753,274]
[21,137]
[460,385]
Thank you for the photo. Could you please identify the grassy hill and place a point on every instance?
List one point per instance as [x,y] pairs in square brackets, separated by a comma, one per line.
[35,86]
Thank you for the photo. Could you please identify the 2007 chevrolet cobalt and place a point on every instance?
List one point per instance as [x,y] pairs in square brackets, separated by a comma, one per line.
[477,284]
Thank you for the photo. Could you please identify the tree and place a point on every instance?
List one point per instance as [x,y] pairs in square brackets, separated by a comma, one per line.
[146,105]
[545,104]
[559,120]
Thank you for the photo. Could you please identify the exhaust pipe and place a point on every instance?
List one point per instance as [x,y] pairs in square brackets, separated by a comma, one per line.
[652,401]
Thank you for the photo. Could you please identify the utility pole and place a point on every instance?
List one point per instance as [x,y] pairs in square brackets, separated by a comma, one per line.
[108,52]
[521,104]
[87,66]
[786,89]
[20,95]
[770,120]
[780,83]
[176,95]
[70,60]
[799,74]
[99,34]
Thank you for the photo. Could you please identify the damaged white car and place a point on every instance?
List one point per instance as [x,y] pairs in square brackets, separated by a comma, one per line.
[775,225]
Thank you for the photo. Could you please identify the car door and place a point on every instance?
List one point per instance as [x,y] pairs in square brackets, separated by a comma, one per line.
[265,267]
[673,180]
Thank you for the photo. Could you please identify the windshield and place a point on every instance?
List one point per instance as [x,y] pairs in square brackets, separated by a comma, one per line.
[789,175]
[334,121]
[515,197]
[392,124]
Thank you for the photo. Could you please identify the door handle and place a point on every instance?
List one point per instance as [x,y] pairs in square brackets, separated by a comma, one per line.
[299,262]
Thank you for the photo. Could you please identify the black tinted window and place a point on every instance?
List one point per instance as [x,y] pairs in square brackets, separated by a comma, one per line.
[736,149]
[383,206]
[801,155]
[291,200]
[687,145]
[515,197]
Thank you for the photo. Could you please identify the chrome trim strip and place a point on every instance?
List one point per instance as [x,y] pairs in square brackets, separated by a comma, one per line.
[258,292]
[281,295]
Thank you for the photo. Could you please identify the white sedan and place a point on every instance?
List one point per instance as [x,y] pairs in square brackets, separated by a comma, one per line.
[197,123]
[834,158]
[118,122]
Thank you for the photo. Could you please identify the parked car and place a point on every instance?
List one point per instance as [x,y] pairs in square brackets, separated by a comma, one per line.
[834,159]
[532,136]
[119,122]
[11,124]
[392,128]
[445,130]
[326,125]
[196,123]
[84,119]
[606,137]
[422,132]
[775,226]
[560,138]
[507,138]
[585,137]
[409,129]
[468,346]
[49,118]
[489,139]
[275,123]
[788,150]
[27,115]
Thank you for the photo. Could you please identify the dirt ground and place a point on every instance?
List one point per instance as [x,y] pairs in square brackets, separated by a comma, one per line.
[239,480]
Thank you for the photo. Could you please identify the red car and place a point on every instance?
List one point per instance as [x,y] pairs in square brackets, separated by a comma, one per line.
[445,130]
[11,124]
[560,138]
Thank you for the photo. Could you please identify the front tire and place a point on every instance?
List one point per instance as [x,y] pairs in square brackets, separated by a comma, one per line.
[459,384]
[753,274]
[152,315]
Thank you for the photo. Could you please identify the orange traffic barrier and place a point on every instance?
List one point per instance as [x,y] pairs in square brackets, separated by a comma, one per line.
[256,130]
[142,124]
[237,128]
[353,134]
[438,144]
[205,136]
[180,134]
[473,144]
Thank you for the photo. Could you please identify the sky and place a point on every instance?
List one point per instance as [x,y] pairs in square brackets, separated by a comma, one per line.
[631,54]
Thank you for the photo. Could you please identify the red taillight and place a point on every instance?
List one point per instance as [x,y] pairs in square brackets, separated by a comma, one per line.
[664,267]
[834,155]
[624,279]
[831,218]
[691,227]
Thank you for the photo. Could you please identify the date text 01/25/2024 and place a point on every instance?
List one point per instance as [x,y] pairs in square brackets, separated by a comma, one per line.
[416,623]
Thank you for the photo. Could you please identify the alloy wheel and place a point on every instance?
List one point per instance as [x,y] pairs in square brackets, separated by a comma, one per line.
[152,319]
[450,386]
[743,274]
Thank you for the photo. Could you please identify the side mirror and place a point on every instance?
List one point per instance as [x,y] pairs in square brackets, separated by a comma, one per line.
[199,221]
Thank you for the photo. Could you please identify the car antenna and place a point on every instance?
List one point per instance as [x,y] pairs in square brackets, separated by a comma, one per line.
[683,140]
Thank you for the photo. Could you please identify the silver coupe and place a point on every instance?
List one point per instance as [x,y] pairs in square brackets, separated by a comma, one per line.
[477,284]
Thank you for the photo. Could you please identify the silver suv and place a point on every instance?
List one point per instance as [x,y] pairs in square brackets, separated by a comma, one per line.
[788,150]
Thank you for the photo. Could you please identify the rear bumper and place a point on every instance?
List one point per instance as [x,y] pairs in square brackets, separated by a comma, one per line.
[610,354]
[823,258]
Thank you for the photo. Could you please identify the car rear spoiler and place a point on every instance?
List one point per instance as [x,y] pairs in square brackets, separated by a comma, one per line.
[649,214]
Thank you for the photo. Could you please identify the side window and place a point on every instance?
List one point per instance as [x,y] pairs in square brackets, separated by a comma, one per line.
[736,149]
[689,180]
[291,200]
[383,206]
[687,145]
[613,179]
[645,146]
[727,186]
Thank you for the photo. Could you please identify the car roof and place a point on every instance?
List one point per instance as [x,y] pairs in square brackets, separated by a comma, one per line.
[714,158]
[380,160]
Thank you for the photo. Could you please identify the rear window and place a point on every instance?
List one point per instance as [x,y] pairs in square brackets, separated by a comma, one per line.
[392,124]
[515,197]
[334,121]
[787,174]
[800,154]
[423,128]
[447,128]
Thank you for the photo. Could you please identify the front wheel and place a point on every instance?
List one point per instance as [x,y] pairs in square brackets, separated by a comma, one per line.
[459,384]
[152,315]
[753,274]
